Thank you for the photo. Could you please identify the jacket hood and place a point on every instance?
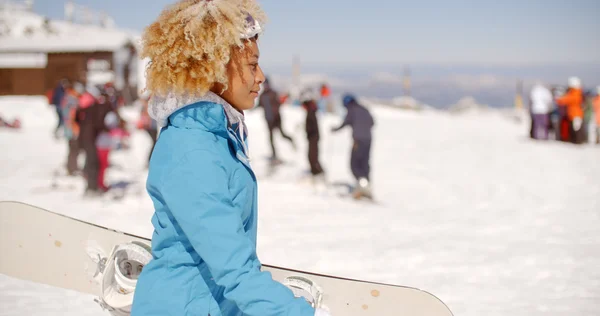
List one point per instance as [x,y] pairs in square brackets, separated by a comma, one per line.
[161,108]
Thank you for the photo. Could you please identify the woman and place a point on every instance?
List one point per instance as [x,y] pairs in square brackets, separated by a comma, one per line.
[204,73]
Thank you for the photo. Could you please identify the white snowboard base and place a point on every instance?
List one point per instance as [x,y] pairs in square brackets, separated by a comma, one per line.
[45,247]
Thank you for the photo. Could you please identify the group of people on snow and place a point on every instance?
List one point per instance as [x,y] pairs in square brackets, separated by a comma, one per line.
[89,121]
[357,117]
[564,114]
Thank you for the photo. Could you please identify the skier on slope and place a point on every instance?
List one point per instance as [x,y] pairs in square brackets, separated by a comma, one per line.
[361,121]
[269,100]
[309,103]
[572,101]
[204,74]
[540,103]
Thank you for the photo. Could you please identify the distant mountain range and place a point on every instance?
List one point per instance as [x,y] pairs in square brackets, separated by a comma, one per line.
[438,86]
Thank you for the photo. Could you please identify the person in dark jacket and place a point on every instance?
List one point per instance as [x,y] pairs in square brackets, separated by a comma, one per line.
[269,100]
[90,116]
[309,103]
[361,121]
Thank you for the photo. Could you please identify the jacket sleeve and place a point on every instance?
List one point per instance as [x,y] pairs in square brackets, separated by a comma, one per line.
[197,194]
[347,122]
[567,99]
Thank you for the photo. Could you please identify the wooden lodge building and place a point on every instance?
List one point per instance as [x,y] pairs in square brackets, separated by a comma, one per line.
[36,53]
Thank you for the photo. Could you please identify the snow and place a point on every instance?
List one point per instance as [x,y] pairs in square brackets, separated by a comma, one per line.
[467,105]
[80,39]
[470,209]
[23,60]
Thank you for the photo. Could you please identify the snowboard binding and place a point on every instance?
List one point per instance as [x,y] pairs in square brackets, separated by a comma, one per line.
[120,272]
[306,288]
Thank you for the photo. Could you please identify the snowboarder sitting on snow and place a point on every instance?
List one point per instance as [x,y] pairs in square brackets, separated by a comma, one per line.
[312,133]
[361,121]
[270,102]
[16,123]
[203,76]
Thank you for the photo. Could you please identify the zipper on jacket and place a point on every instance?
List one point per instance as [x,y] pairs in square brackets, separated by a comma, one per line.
[239,154]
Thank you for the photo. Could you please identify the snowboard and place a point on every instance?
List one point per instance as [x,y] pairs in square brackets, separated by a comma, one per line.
[45,247]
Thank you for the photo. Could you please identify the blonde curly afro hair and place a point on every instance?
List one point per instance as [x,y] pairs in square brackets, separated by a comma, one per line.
[191,43]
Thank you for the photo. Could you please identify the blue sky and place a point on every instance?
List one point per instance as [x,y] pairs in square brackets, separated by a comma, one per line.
[453,48]
[478,32]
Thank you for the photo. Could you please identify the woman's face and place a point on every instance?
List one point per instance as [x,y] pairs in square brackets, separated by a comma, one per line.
[245,77]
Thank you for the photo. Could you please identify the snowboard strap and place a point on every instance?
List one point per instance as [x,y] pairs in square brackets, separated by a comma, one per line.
[306,288]
[120,272]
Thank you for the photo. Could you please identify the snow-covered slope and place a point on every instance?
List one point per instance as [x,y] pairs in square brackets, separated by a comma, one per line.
[471,210]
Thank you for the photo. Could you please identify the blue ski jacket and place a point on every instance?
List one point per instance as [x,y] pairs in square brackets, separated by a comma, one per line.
[205,221]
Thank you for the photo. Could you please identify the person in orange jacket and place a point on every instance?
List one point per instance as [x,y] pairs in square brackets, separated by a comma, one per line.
[573,100]
[323,102]
[596,104]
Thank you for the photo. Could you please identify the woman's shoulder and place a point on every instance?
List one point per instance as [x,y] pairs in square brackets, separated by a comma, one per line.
[183,148]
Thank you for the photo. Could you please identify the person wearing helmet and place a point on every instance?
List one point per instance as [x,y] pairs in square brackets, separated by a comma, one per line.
[361,121]
[572,101]
[204,74]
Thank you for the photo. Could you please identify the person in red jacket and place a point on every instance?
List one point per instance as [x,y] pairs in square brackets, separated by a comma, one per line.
[16,123]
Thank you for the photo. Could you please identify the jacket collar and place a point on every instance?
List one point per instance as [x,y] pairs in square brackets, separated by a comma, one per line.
[205,110]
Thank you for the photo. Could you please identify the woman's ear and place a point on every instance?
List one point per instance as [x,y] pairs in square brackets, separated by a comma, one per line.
[218,88]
